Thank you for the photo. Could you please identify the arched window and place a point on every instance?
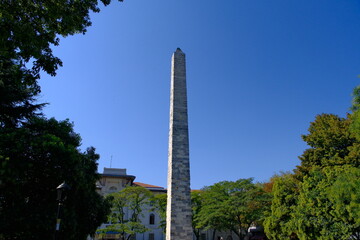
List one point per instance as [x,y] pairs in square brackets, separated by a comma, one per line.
[152,219]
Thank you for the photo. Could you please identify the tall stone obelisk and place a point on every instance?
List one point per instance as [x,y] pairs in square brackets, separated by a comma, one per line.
[178,212]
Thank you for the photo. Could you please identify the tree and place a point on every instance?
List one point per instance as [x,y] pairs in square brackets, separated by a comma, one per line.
[18,91]
[28,30]
[312,216]
[323,205]
[318,213]
[303,203]
[35,159]
[355,116]
[344,194]
[197,202]
[331,143]
[233,206]
[278,225]
[160,202]
[129,201]
[356,99]
[211,215]
[36,154]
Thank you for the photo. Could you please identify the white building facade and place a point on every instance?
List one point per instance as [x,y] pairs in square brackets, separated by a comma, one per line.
[115,179]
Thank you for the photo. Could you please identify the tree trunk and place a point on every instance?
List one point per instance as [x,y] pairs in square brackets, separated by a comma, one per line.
[196,233]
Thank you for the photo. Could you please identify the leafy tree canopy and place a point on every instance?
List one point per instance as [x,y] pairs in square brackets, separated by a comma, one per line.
[35,159]
[233,206]
[355,116]
[37,154]
[28,31]
[131,199]
[331,143]
[344,194]
[321,199]
[160,202]
[159,205]
[278,224]
[317,214]
[197,201]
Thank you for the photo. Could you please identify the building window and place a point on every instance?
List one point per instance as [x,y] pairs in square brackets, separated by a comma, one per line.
[151,236]
[203,236]
[113,189]
[152,219]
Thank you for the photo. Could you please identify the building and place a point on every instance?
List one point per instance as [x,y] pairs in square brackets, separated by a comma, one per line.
[114,180]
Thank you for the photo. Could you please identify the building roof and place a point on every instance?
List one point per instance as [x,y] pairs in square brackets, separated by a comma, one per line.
[116,173]
[117,176]
[150,187]
[146,185]
[196,190]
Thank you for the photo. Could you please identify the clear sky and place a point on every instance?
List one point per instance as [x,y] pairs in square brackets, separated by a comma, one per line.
[258,73]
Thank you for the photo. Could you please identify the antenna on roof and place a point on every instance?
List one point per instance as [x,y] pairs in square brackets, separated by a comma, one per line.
[110,161]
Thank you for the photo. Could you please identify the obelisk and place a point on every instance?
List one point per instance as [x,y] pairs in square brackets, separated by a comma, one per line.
[178,212]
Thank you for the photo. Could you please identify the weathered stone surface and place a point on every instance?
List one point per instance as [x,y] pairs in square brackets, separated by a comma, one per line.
[178,215]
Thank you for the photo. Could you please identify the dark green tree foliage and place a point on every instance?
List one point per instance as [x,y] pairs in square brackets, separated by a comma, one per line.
[159,205]
[278,225]
[18,89]
[160,201]
[356,99]
[324,205]
[36,154]
[212,216]
[197,201]
[344,194]
[28,30]
[331,143]
[312,203]
[35,159]
[316,215]
[355,116]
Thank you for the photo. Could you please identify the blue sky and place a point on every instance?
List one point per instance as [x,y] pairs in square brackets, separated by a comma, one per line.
[258,72]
